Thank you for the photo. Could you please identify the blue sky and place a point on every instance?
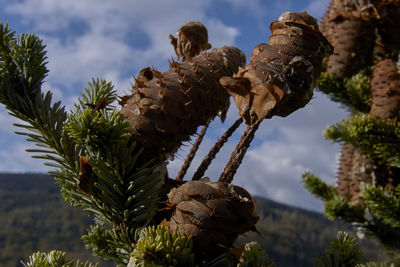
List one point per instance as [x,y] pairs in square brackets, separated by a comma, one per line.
[115,39]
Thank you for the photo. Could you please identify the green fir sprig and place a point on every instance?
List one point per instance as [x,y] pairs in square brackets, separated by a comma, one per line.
[353,93]
[96,164]
[343,252]
[54,259]
[157,246]
[375,138]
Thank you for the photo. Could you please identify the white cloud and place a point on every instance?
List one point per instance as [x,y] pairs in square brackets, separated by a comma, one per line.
[220,34]
[103,33]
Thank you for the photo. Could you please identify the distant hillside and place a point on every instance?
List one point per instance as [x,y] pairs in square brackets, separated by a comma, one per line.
[34,217]
[295,237]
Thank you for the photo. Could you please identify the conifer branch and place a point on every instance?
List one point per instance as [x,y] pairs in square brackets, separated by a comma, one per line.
[318,188]
[375,138]
[352,93]
[343,251]
[98,167]
[54,259]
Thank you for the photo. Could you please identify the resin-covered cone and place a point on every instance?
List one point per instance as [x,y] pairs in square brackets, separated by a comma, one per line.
[354,171]
[385,90]
[352,40]
[387,44]
[213,213]
[280,76]
[349,27]
[166,108]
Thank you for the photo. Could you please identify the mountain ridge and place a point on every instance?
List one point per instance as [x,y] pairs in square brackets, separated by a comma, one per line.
[34,217]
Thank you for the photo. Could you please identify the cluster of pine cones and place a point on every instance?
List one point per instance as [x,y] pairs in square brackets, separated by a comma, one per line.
[166,108]
[364,33]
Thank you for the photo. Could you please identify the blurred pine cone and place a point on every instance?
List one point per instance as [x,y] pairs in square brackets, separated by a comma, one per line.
[349,27]
[385,90]
[354,170]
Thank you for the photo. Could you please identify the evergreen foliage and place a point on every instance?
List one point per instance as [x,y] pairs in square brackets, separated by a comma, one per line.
[353,93]
[253,256]
[54,259]
[96,164]
[343,252]
[375,138]
[318,188]
[157,246]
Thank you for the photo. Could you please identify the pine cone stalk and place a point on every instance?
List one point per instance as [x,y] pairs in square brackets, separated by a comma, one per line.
[215,149]
[192,153]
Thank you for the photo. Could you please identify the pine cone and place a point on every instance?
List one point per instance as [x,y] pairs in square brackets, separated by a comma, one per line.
[192,38]
[166,108]
[349,27]
[213,213]
[387,44]
[280,76]
[340,10]
[354,170]
[385,90]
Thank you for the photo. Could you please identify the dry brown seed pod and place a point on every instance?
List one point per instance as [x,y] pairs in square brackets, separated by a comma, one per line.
[280,76]
[166,108]
[213,213]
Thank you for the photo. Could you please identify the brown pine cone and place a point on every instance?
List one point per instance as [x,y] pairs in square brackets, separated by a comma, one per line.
[385,90]
[280,76]
[349,27]
[354,170]
[192,38]
[387,44]
[213,213]
[166,108]
[352,40]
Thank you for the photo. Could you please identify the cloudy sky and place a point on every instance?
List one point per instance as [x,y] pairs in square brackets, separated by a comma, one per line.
[115,39]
